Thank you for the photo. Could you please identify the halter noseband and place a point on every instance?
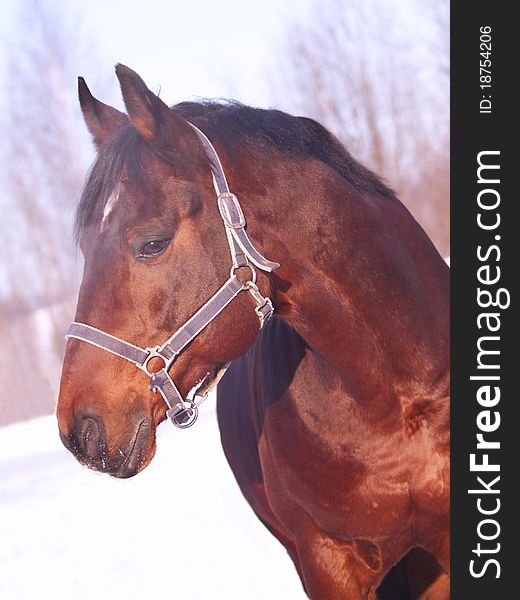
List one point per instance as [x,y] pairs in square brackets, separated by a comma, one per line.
[183,412]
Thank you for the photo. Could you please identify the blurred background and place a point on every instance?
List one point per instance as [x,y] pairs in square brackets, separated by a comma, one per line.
[375,72]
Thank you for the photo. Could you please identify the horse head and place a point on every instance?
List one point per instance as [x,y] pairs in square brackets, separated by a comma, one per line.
[155,250]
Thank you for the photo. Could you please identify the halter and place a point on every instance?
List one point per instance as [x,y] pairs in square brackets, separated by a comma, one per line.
[183,412]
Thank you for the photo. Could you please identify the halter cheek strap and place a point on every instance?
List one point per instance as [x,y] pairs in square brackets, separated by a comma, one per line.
[183,412]
[242,250]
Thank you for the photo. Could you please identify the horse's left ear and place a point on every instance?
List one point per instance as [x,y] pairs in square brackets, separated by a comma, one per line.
[146,111]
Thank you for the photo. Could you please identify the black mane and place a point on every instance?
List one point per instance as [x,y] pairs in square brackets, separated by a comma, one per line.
[228,121]
[297,136]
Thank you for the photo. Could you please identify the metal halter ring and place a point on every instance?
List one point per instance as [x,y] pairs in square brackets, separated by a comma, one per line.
[252,279]
[155,352]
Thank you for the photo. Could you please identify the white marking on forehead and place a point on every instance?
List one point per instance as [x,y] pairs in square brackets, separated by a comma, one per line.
[109,206]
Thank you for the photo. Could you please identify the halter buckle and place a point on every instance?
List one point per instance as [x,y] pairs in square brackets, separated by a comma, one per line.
[183,415]
[231,211]
[264,308]
[264,312]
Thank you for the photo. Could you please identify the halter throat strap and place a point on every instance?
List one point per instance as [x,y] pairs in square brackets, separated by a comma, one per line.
[183,412]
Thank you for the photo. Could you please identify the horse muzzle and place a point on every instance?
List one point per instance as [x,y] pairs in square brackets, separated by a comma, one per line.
[87,441]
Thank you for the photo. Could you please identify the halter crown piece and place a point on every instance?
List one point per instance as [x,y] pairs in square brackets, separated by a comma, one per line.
[183,412]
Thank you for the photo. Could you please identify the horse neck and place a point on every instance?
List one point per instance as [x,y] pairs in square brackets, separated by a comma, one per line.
[359,279]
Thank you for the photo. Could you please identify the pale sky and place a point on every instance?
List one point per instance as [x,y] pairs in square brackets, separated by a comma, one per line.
[208,48]
[187,47]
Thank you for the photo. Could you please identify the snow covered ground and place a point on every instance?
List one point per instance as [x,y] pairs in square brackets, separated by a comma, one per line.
[180,529]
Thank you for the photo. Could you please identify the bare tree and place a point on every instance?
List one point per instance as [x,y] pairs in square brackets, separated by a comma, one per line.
[371,79]
[45,149]
[433,146]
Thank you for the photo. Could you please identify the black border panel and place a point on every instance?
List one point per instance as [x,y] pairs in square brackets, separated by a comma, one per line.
[485,253]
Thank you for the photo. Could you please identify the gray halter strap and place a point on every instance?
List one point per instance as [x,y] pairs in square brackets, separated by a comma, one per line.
[183,412]
[242,250]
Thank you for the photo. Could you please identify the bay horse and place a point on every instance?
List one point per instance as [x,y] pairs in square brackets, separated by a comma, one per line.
[340,439]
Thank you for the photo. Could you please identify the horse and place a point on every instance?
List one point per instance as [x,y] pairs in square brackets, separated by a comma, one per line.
[348,467]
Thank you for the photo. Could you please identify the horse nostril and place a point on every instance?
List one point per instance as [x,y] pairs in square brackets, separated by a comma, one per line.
[87,438]
[91,438]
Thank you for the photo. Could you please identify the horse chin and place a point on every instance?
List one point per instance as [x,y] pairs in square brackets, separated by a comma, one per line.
[134,465]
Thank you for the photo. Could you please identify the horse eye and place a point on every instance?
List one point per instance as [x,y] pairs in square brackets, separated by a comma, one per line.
[153,248]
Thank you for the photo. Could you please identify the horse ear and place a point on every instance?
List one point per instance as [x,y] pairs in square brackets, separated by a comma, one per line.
[146,111]
[102,120]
